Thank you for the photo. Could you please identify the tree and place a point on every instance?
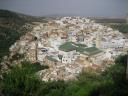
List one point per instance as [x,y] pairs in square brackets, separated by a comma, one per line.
[115,75]
[21,81]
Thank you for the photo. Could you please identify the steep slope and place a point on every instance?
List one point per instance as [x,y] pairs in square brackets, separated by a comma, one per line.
[12,27]
[15,20]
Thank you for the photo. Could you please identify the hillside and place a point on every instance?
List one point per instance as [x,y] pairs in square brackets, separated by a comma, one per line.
[12,27]
[109,20]
[117,24]
[16,20]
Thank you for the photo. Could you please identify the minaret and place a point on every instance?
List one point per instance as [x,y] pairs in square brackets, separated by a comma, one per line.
[98,40]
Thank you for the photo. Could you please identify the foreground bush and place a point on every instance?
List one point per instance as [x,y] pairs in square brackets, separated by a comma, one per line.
[22,81]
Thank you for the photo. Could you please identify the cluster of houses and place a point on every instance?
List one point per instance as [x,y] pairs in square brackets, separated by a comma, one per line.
[69,44]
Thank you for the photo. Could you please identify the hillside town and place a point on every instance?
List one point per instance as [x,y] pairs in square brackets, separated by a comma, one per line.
[69,45]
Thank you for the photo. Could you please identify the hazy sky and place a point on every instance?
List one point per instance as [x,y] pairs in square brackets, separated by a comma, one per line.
[102,8]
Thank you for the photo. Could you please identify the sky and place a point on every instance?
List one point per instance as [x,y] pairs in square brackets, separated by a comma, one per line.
[92,8]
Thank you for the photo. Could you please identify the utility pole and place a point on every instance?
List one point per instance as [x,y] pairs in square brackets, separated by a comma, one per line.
[127,67]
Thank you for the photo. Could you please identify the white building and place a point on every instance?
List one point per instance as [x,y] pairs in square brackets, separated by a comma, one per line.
[113,44]
[56,42]
[69,57]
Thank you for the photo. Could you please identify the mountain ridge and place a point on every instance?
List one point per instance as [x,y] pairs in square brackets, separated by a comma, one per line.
[12,27]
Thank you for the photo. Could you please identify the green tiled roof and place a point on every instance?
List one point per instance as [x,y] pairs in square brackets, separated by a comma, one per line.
[70,46]
[91,51]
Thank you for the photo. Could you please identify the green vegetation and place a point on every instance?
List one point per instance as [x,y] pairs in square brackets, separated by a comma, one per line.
[110,20]
[121,27]
[118,24]
[15,20]
[11,20]
[38,66]
[22,81]
[11,28]
[116,74]
[7,38]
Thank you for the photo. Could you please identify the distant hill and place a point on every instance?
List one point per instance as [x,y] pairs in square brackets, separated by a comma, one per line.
[109,20]
[11,28]
[115,23]
[16,20]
